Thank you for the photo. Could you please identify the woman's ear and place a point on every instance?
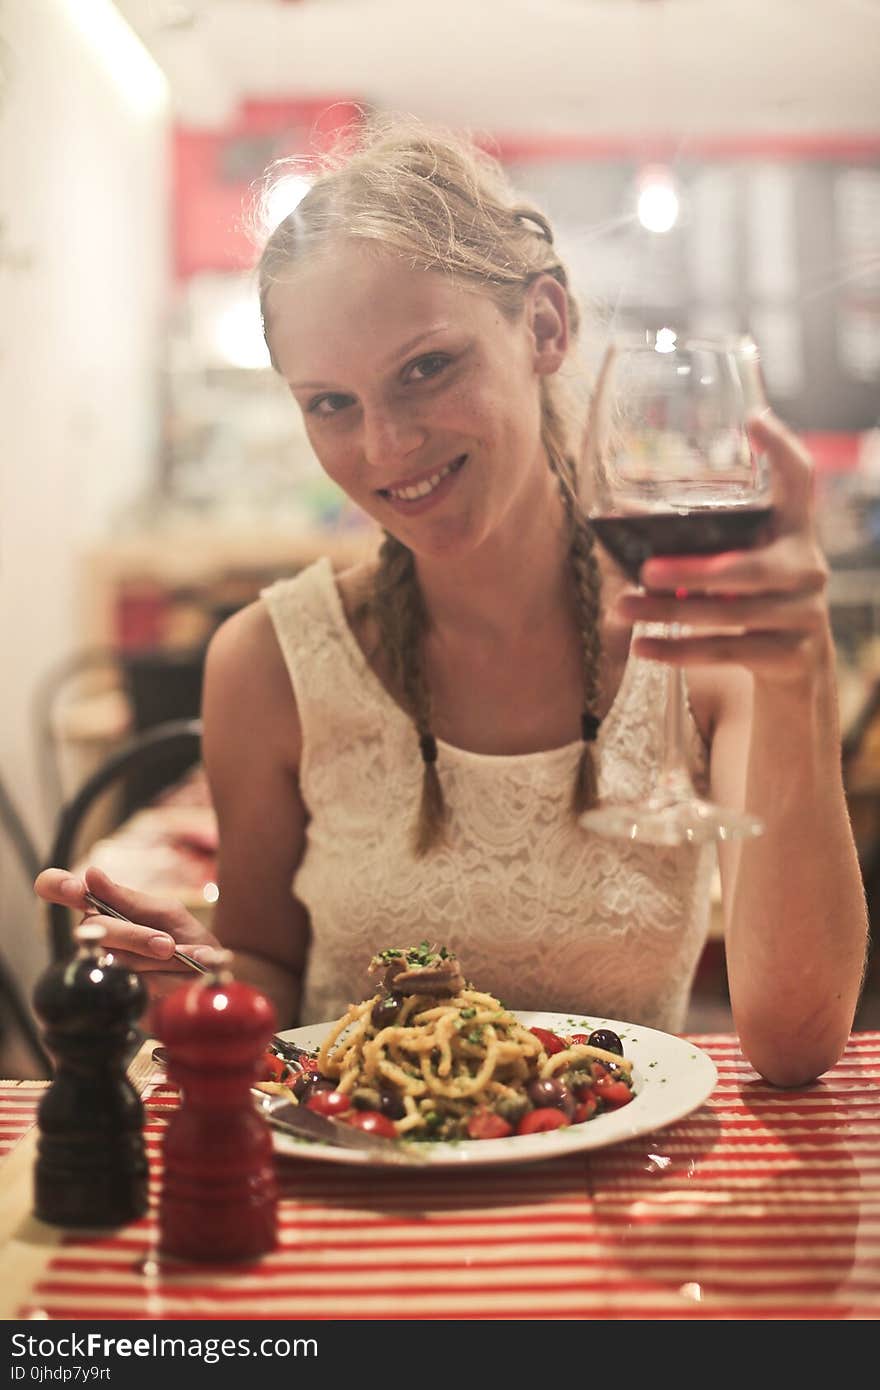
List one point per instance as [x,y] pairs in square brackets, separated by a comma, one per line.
[547,318]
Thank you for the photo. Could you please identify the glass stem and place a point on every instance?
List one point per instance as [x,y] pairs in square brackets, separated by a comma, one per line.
[675,778]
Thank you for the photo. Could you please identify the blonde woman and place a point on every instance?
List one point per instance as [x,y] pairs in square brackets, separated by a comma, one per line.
[400,752]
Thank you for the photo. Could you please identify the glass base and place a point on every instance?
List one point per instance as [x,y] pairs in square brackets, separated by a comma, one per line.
[666,821]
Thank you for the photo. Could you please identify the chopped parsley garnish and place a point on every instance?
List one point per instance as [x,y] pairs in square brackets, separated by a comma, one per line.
[422,955]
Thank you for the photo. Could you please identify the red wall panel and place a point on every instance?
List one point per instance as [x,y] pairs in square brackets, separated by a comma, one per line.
[214,173]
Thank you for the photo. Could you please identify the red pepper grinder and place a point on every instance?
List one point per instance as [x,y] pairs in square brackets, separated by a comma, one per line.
[219,1194]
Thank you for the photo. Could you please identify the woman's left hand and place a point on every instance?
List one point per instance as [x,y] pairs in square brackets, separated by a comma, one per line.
[765,608]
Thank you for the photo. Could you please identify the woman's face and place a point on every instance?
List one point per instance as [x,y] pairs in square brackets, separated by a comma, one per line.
[421,399]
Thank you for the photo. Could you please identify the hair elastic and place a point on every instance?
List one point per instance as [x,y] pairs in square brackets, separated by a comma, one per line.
[589,727]
[534,220]
[428,745]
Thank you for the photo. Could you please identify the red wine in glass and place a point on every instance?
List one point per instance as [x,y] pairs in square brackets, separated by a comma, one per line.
[668,469]
[632,538]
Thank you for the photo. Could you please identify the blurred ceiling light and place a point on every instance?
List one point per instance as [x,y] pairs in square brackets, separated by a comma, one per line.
[128,64]
[282,198]
[238,336]
[658,201]
[664,340]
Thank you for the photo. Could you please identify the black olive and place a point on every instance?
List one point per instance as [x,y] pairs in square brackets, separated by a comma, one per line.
[608,1041]
[309,1081]
[385,1011]
[391,1103]
[552,1092]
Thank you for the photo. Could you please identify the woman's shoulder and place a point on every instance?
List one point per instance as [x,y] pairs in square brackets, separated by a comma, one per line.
[246,636]
[249,658]
[246,679]
[321,595]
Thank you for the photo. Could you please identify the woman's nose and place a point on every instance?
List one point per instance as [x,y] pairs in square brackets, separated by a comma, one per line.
[390,435]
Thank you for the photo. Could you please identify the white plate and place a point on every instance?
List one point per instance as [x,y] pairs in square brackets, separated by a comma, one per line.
[671,1078]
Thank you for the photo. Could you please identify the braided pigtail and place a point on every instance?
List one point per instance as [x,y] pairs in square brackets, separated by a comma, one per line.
[585,792]
[587,590]
[399,610]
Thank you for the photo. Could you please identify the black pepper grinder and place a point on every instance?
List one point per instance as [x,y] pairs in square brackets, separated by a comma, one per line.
[91,1168]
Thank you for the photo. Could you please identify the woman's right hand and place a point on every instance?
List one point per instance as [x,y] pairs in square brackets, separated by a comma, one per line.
[145,943]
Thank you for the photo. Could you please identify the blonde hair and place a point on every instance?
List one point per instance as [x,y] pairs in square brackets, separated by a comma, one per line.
[441,204]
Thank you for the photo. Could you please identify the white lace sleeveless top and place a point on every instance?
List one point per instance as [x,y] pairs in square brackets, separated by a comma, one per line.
[542,914]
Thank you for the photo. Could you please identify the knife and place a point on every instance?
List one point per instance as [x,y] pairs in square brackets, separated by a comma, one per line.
[288,1051]
[283,1115]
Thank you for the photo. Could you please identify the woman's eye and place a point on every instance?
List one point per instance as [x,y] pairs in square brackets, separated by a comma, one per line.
[425,367]
[329,404]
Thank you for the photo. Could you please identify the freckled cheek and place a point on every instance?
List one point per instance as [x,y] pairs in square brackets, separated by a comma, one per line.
[478,425]
[467,410]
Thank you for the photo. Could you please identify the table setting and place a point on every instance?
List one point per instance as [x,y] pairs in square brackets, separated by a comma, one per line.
[750,1202]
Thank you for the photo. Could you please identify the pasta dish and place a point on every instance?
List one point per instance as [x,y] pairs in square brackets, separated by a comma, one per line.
[428,1056]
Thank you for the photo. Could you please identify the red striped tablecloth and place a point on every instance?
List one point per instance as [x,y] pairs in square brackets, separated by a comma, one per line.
[18,1104]
[762,1204]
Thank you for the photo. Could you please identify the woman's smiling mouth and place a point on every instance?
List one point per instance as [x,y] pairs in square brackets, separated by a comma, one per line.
[408,493]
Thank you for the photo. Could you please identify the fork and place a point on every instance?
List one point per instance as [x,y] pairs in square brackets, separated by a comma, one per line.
[107,911]
[289,1051]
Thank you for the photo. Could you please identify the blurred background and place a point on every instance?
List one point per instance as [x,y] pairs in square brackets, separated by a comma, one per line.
[714,164]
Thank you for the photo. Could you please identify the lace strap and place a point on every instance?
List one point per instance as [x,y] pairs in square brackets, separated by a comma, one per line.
[326,666]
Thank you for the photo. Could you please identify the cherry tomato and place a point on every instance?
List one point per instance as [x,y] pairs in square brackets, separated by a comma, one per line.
[586,1108]
[329,1102]
[371,1122]
[613,1093]
[485,1124]
[538,1121]
[601,1071]
[274,1067]
[579,1040]
[308,1064]
[550,1042]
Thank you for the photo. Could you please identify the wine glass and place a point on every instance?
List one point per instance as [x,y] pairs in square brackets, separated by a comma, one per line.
[670,471]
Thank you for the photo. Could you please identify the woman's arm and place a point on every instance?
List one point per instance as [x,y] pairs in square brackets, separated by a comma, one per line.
[251,749]
[795,905]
